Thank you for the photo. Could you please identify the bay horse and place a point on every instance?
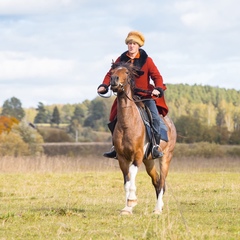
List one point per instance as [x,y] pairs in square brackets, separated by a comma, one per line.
[130,139]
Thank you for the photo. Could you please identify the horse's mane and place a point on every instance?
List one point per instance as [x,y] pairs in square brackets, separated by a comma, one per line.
[134,71]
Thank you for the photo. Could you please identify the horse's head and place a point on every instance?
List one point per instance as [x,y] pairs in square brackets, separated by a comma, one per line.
[122,77]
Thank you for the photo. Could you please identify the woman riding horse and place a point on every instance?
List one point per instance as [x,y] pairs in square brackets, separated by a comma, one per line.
[148,70]
[131,139]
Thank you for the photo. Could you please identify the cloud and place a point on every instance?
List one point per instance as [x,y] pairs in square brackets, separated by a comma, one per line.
[17,65]
[214,15]
[59,51]
[11,7]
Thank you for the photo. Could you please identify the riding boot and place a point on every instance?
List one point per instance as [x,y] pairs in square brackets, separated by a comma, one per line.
[155,152]
[112,153]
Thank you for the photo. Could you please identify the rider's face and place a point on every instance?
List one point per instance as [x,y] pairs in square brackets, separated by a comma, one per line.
[133,47]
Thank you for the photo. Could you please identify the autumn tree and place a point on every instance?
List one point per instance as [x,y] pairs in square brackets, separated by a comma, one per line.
[6,123]
[21,140]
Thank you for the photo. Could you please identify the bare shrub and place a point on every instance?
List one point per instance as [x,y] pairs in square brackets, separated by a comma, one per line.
[22,140]
[234,152]
[12,145]
[201,149]
[54,135]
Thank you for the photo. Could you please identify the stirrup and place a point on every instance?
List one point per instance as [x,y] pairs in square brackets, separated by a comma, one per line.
[111,154]
[156,153]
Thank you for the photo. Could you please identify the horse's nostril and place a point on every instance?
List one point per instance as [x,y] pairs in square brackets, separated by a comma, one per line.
[114,80]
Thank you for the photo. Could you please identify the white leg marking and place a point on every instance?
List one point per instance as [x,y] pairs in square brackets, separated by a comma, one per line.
[159,206]
[130,191]
[127,190]
[127,209]
[133,170]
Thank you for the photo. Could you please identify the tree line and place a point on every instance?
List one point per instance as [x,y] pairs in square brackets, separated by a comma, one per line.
[200,113]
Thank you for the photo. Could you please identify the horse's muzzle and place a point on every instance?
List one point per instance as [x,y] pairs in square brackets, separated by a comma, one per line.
[114,82]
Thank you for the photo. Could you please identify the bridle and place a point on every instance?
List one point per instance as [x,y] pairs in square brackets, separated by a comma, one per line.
[123,85]
[129,80]
[135,98]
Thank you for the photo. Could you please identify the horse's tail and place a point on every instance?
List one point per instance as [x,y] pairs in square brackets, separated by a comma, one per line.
[172,132]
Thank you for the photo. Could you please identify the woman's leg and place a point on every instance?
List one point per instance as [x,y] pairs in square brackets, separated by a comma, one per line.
[156,127]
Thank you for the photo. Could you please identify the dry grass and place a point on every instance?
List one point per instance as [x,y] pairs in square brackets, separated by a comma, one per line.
[80,197]
[56,164]
[86,205]
[64,164]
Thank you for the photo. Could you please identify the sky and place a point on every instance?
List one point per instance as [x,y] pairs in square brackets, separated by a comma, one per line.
[58,51]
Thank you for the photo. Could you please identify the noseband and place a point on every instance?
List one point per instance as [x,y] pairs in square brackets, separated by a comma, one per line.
[121,86]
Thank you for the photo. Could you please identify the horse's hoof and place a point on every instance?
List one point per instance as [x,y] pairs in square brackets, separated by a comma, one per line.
[126,211]
[157,212]
[131,203]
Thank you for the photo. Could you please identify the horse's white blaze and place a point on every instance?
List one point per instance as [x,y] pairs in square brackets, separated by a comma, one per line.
[159,205]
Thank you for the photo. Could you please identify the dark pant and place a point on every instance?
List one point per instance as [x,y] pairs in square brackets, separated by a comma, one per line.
[155,115]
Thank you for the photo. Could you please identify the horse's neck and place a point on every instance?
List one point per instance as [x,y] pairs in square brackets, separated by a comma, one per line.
[127,109]
[126,100]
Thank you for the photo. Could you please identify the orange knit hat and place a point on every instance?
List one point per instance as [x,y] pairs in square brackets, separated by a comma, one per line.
[135,36]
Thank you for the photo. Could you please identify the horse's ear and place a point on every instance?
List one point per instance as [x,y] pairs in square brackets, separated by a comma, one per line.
[114,65]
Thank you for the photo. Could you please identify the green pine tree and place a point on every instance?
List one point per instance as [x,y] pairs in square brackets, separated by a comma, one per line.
[41,116]
[55,116]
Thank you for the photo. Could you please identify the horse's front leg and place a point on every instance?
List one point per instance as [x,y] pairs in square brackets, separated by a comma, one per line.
[130,187]
[129,176]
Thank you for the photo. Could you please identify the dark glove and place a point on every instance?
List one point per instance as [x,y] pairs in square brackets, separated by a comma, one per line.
[161,91]
[106,88]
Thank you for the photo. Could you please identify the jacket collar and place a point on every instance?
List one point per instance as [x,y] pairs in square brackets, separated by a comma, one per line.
[138,61]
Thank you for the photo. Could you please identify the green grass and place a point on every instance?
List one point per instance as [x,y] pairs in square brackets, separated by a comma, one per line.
[200,202]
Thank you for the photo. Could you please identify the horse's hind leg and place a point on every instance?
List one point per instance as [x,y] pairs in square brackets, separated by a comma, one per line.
[152,172]
[158,180]
[164,167]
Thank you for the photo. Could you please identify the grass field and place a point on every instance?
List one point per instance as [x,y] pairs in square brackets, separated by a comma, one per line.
[81,198]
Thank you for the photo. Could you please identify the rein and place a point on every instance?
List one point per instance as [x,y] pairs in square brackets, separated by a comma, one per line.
[129,80]
[134,90]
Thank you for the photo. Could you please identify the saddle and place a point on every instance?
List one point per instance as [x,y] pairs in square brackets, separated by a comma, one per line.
[148,122]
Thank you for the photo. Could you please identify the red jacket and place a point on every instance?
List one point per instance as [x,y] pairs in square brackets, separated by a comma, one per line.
[149,71]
